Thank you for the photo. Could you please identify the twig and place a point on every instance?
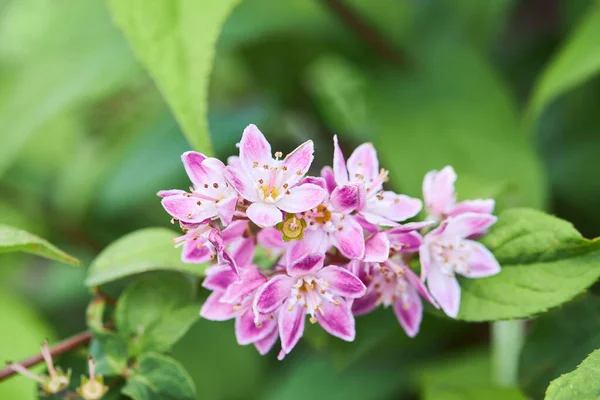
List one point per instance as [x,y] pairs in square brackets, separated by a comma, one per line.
[66,345]
[366,31]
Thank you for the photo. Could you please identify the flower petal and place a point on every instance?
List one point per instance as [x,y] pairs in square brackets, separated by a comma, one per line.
[187,209]
[363,162]
[264,215]
[392,206]
[226,208]
[265,345]
[247,332]
[192,162]
[219,277]
[306,264]
[445,290]
[242,251]
[349,240]
[272,239]
[418,284]
[377,247]
[170,192]
[302,198]
[291,326]
[315,180]
[337,320]
[411,226]
[250,279]
[327,174]
[214,310]
[425,260]
[482,206]
[467,224]
[241,182]
[196,252]
[235,230]
[404,242]
[298,162]
[480,261]
[365,304]
[345,199]
[272,294]
[254,148]
[340,172]
[438,191]
[409,311]
[342,282]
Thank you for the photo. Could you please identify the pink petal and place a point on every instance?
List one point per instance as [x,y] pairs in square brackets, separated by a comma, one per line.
[366,304]
[482,206]
[327,174]
[241,182]
[214,310]
[242,251]
[418,284]
[298,161]
[291,326]
[264,215]
[409,311]
[412,226]
[377,247]
[226,209]
[445,290]
[271,238]
[337,320]
[254,148]
[246,330]
[339,164]
[272,294]
[302,198]
[425,260]
[349,240]
[171,192]
[250,279]
[480,261]
[265,345]
[320,182]
[364,162]
[195,252]
[219,278]
[438,191]
[235,230]
[404,242]
[342,282]
[345,199]
[468,224]
[192,162]
[235,162]
[186,208]
[310,262]
[392,206]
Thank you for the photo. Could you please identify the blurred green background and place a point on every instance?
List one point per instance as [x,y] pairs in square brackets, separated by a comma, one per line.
[504,90]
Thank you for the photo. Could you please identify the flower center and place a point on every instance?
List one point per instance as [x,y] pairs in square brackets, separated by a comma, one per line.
[310,292]
[450,255]
[322,215]
[389,286]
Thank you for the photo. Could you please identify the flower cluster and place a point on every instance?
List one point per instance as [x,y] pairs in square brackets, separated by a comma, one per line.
[340,247]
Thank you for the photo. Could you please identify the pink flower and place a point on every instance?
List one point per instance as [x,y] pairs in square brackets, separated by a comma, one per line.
[381,207]
[271,184]
[446,251]
[307,288]
[440,197]
[232,297]
[210,197]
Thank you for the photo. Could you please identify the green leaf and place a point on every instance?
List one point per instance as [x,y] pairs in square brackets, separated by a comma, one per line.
[557,342]
[453,393]
[468,121]
[145,250]
[175,40]
[545,262]
[159,378]
[13,239]
[581,384]
[109,352]
[155,312]
[577,61]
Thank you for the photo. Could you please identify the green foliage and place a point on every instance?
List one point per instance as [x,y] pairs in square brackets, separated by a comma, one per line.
[13,239]
[175,40]
[545,263]
[109,352]
[141,251]
[157,377]
[557,343]
[155,312]
[469,122]
[577,61]
[581,384]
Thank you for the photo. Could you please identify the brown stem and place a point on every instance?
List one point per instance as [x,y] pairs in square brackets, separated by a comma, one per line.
[366,31]
[66,345]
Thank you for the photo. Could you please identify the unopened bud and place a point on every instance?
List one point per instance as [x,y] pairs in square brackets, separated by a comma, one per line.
[92,388]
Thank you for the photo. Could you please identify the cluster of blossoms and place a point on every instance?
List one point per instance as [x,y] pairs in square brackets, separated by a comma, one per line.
[340,248]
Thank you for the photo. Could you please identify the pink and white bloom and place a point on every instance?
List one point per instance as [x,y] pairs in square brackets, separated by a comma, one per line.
[232,297]
[324,293]
[381,207]
[440,197]
[270,184]
[447,251]
[210,197]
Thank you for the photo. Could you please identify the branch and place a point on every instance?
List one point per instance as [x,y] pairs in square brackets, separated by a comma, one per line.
[367,32]
[66,345]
